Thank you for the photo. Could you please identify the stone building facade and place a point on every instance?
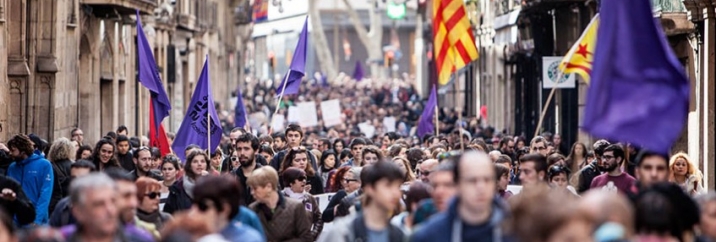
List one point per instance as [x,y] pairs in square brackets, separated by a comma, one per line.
[72,63]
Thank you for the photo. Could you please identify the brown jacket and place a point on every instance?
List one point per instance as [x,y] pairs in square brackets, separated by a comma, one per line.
[287,223]
[312,211]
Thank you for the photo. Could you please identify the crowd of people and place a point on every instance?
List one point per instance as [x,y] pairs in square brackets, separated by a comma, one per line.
[449,187]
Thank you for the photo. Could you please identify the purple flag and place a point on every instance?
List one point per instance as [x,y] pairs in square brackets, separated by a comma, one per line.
[193,129]
[426,124]
[239,111]
[149,77]
[358,72]
[639,92]
[298,65]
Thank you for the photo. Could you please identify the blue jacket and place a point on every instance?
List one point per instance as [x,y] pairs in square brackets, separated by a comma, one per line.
[248,218]
[440,226]
[36,176]
[240,233]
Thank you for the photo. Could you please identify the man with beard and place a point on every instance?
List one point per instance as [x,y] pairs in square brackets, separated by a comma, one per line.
[143,163]
[614,179]
[595,168]
[34,173]
[246,147]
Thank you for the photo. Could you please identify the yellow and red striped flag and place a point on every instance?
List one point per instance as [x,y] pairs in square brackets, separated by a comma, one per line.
[453,38]
[579,58]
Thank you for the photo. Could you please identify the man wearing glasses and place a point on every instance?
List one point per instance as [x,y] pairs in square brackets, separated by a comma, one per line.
[539,145]
[78,135]
[614,179]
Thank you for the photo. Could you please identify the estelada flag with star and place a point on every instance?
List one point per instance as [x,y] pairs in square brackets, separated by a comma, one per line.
[579,58]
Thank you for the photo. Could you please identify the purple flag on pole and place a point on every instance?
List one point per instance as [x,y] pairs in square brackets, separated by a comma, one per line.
[298,65]
[426,125]
[358,72]
[639,92]
[239,111]
[193,129]
[149,77]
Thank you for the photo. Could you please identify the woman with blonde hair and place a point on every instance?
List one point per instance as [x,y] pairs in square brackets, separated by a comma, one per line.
[60,156]
[685,174]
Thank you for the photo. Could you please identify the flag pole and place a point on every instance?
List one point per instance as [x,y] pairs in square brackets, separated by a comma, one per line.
[280,97]
[437,129]
[560,74]
[208,112]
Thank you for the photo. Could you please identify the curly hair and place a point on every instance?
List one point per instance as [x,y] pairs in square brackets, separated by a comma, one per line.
[22,143]
[61,149]
[691,169]
[96,153]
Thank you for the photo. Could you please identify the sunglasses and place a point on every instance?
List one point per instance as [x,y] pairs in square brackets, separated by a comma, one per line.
[349,180]
[558,169]
[153,195]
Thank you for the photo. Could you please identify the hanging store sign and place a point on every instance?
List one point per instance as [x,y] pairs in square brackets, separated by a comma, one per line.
[551,73]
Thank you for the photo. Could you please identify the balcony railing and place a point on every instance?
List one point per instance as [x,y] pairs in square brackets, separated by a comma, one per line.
[126,6]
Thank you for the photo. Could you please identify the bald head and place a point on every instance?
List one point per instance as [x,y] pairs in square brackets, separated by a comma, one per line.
[603,206]
[426,168]
[494,155]
[474,176]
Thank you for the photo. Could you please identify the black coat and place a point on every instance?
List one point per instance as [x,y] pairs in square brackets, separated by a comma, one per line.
[61,185]
[20,209]
[248,198]
[586,175]
[178,199]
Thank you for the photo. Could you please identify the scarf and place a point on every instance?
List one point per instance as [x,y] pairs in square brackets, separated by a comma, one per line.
[153,217]
[289,193]
[188,186]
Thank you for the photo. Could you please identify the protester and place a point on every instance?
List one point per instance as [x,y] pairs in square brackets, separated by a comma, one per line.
[594,169]
[538,145]
[124,153]
[381,185]
[98,217]
[576,159]
[426,168]
[181,192]
[294,182]
[651,168]
[707,221]
[217,199]
[370,155]
[294,136]
[685,174]
[62,215]
[246,147]
[349,180]
[84,152]
[404,165]
[143,165]
[103,156]
[328,164]
[543,214]
[356,147]
[148,195]
[476,213]
[59,156]
[170,170]
[417,192]
[298,157]
[34,173]
[664,212]
[613,179]
[282,218]
[502,174]
[533,169]
[14,203]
